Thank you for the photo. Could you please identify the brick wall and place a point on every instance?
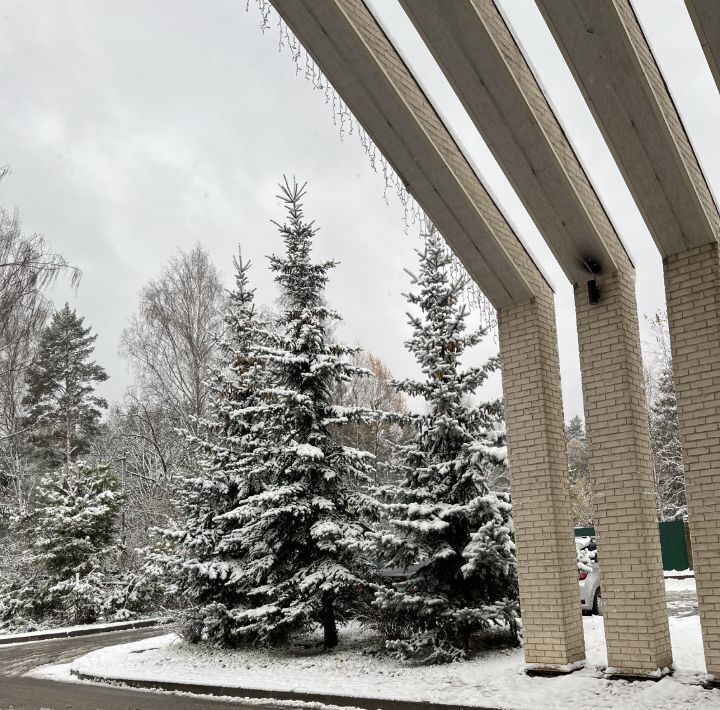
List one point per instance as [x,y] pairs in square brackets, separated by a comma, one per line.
[634,604]
[552,623]
[692,285]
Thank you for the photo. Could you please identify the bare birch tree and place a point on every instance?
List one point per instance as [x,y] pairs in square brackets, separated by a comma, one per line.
[28,267]
[170,342]
[377,394]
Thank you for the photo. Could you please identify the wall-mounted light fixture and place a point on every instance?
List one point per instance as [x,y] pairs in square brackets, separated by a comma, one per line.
[592,288]
[593,292]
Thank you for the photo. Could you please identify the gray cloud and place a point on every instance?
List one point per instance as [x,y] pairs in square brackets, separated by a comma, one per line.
[137,128]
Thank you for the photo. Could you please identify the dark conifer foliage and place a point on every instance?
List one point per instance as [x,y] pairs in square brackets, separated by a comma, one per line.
[274,539]
[63,410]
[443,525]
[303,537]
[204,555]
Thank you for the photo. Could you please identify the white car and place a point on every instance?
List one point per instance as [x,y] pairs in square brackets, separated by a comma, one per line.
[589,575]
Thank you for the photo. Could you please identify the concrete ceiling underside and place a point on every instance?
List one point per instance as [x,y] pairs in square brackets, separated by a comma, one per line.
[614,67]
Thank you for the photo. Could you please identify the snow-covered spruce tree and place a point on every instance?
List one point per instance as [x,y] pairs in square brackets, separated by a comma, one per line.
[205,551]
[63,410]
[668,468]
[443,525]
[301,542]
[74,543]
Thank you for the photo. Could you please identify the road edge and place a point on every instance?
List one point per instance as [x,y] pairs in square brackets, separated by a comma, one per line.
[276,695]
[84,631]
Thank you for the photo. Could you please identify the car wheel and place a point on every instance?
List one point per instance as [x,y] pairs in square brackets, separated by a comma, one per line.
[598,604]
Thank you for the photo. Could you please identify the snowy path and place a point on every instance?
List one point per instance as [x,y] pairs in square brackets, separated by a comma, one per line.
[681,597]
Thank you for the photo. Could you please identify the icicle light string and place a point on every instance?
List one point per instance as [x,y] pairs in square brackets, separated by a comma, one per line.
[347,124]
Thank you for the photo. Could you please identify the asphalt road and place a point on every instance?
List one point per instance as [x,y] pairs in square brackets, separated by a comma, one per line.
[18,692]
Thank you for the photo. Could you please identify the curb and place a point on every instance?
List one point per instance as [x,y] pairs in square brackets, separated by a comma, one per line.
[278,695]
[85,631]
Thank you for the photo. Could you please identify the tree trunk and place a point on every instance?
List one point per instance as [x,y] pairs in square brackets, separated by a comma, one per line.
[330,634]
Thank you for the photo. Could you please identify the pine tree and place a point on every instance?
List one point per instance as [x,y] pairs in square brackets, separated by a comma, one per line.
[63,410]
[301,541]
[204,550]
[575,429]
[668,467]
[74,543]
[444,526]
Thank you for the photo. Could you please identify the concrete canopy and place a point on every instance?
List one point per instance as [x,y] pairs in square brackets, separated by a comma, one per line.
[705,15]
[420,150]
[614,67]
[479,57]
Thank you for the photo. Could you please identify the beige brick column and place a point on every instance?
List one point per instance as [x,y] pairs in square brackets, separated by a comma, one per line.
[692,286]
[549,595]
[634,604]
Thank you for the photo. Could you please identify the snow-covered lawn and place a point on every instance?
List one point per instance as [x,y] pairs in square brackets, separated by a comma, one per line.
[493,678]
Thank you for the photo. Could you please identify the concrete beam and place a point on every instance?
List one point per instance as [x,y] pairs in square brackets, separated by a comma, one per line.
[485,66]
[705,15]
[616,71]
[359,60]
[420,151]
[488,72]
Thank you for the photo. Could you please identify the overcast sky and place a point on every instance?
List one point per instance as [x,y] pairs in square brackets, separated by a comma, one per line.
[137,128]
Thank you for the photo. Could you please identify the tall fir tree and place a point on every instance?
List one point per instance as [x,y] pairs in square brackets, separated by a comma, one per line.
[300,543]
[668,467]
[63,410]
[444,526]
[204,555]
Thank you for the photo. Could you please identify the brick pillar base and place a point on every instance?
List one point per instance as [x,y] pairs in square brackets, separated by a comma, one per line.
[692,286]
[549,595]
[634,604]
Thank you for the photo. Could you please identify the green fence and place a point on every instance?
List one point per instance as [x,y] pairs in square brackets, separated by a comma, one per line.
[672,544]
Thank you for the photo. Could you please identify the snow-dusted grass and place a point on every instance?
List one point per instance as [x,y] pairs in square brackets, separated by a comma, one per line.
[493,678]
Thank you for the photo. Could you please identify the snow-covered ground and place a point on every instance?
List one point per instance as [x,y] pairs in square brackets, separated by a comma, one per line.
[493,679]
